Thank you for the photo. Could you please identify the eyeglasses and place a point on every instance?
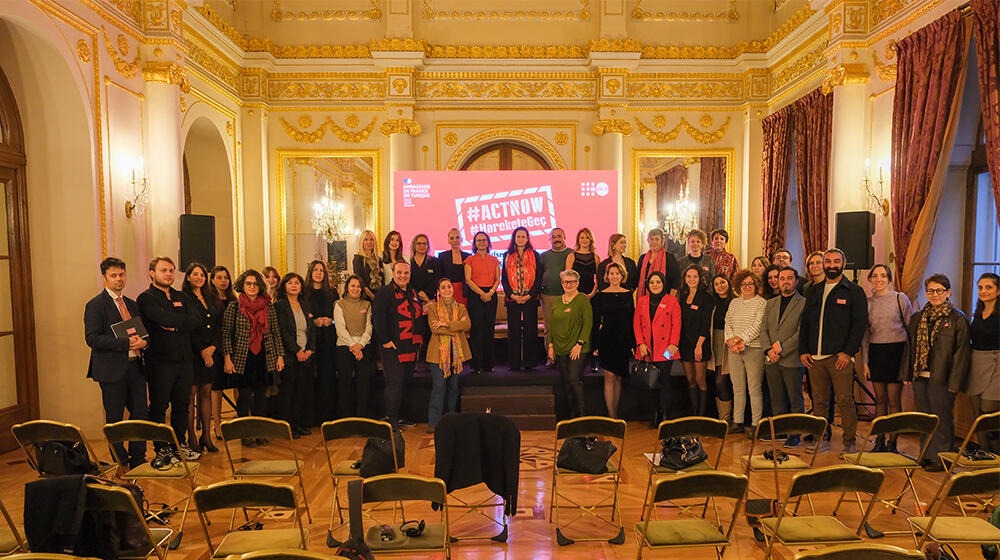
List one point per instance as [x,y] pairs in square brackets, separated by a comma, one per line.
[570,281]
[936,291]
[750,284]
[249,283]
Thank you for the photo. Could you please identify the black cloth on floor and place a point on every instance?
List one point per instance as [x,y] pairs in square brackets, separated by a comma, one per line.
[53,512]
[475,447]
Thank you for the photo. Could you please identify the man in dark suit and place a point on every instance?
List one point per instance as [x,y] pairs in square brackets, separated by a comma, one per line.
[169,368]
[115,362]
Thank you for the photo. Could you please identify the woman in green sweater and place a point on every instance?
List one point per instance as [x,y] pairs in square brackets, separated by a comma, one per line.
[568,338]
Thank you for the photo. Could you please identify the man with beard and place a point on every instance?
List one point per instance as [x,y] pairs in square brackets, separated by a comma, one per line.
[833,323]
[167,316]
[552,263]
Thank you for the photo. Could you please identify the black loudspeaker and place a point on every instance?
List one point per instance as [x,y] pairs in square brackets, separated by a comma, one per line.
[197,240]
[854,238]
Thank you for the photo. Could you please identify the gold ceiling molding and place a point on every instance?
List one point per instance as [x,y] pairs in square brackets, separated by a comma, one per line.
[313,136]
[214,65]
[400,126]
[290,89]
[167,73]
[700,136]
[614,45]
[680,86]
[396,44]
[887,71]
[279,15]
[852,73]
[131,8]
[429,13]
[507,89]
[486,136]
[127,69]
[730,14]
[612,126]
[803,65]
[506,51]
[882,10]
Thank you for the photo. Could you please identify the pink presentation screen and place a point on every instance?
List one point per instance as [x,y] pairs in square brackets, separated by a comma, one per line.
[497,202]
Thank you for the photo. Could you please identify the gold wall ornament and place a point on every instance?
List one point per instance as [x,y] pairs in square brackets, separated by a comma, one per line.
[705,120]
[802,65]
[166,73]
[836,22]
[561,138]
[607,126]
[321,88]
[127,69]
[613,85]
[730,14]
[614,45]
[155,12]
[854,73]
[541,88]
[353,137]
[352,120]
[882,10]
[700,136]
[856,20]
[313,136]
[450,139]
[506,51]
[480,139]
[305,121]
[123,45]
[399,84]
[230,128]
[397,44]
[226,72]
[278,14]
[83,51]
[131,8]
[887,71]
[659,121]
[400,126]
[429,13]
[685,86]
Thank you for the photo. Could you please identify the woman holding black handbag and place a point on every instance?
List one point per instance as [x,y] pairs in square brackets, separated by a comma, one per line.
[657,326]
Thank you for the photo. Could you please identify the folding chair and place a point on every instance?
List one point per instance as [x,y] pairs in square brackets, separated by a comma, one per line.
[288,554]
[114,499]
[884,426]
[813,529]
[10,537]
[260,427]
[697,531]
[250,494]
[983,425]
[785,424]
[586,426]
[407,487]
[31,434]
[144,430]
[350,428]
[963,529]
[864,551]
[691,426]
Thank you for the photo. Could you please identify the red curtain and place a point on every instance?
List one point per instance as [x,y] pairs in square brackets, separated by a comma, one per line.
[712,184]
[668,188]
[774,176]
[813,131]
[930,76]
[985,23]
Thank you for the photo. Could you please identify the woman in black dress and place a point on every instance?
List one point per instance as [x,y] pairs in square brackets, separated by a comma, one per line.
[320,296]
[696,335]
[584,261]
[424,274]
[204,344]
[614,312]
[221,287]
[367,266]
[452,264]
[722,295]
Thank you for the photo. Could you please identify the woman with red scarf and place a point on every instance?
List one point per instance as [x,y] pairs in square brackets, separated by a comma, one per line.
[522,282]
[658,259]
[251,345]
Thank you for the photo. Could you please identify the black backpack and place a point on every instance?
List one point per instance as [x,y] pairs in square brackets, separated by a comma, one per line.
[376,457]
[56,457]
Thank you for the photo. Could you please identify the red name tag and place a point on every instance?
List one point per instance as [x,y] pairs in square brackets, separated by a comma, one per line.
[364,311]
[841,301]
[694,307]
[131,331]
[567,310]
[177,304]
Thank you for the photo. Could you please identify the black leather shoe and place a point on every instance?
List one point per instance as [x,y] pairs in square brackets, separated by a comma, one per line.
[207,445]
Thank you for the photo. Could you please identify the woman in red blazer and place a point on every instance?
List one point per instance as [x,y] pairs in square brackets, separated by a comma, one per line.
[657,326]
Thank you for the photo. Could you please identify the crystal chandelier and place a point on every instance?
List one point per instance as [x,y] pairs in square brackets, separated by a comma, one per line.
[329,220]
[680,216]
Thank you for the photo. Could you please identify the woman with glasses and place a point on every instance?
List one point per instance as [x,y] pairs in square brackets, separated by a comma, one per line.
[939,363]
[482,276]
[424,274]
[746,357]
[568,340]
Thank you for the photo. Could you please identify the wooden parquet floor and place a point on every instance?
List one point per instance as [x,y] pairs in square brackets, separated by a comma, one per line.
[531,534]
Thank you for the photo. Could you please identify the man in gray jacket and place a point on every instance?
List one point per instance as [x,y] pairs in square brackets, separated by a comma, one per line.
[779,337]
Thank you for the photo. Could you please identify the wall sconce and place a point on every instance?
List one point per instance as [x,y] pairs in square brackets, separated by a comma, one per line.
[878,201]
[135,204]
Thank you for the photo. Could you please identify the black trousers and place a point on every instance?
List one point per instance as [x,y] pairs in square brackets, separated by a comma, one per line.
[522,334]
[128,393]
[170,385]
[324,397]
[571,375]
[483,316]
[294,390]
[937,400]
[397,377]
[359,372]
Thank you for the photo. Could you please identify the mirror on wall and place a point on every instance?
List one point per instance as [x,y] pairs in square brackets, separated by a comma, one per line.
[329,199]
[680,191]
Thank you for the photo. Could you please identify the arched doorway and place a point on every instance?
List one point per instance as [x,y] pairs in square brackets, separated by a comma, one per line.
[505,156]
[18,382]
[208,186]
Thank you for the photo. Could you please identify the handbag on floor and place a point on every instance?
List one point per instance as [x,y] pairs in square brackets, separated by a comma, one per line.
[585,454]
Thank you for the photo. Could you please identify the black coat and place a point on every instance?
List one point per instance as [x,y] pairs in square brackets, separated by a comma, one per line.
[845,319]
[108,353]
[286,324]
[424,278]
[479,447]
[950,352]
[169,323]
[454,272]
[53,521]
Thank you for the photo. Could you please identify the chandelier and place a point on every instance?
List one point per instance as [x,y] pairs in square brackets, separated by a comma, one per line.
[680,216]
[329,220]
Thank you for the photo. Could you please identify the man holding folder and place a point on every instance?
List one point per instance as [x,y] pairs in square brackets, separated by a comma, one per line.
[779,336]
[115,361]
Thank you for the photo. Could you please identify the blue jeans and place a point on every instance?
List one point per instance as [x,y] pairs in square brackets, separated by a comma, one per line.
[444,395]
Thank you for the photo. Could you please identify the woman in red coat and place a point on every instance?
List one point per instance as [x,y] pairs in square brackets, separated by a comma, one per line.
[657,326]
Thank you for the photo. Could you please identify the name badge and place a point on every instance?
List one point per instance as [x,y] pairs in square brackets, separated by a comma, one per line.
[841,302]
[178,304]
[694,307]
[662,305]
[364,311]
[947,324]
[567,310]
[430,271]
[131,330]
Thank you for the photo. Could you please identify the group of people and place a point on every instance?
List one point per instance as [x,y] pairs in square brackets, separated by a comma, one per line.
[305,349]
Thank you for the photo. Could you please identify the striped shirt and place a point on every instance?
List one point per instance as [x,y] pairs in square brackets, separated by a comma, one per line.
[744,318]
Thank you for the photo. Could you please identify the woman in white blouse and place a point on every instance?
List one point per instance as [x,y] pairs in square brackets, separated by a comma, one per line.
[355,357]
[746,357]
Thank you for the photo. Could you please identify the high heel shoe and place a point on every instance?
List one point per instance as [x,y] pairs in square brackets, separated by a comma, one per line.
[206,444]
[218,436]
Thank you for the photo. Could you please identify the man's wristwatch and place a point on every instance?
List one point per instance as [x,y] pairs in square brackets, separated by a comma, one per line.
[580,342]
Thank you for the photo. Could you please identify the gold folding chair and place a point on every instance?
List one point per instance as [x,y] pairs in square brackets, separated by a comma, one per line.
[885,426]
[697,531]
[260,427]
[10,537]
[804,530]
[115,499]
[350,428]
[288,554]
[31,434]
[586,426]
[144,430]
[964,529]
[401,488]
[244,494]
[691,426]
[783,425]
[983,425]
[865,551]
